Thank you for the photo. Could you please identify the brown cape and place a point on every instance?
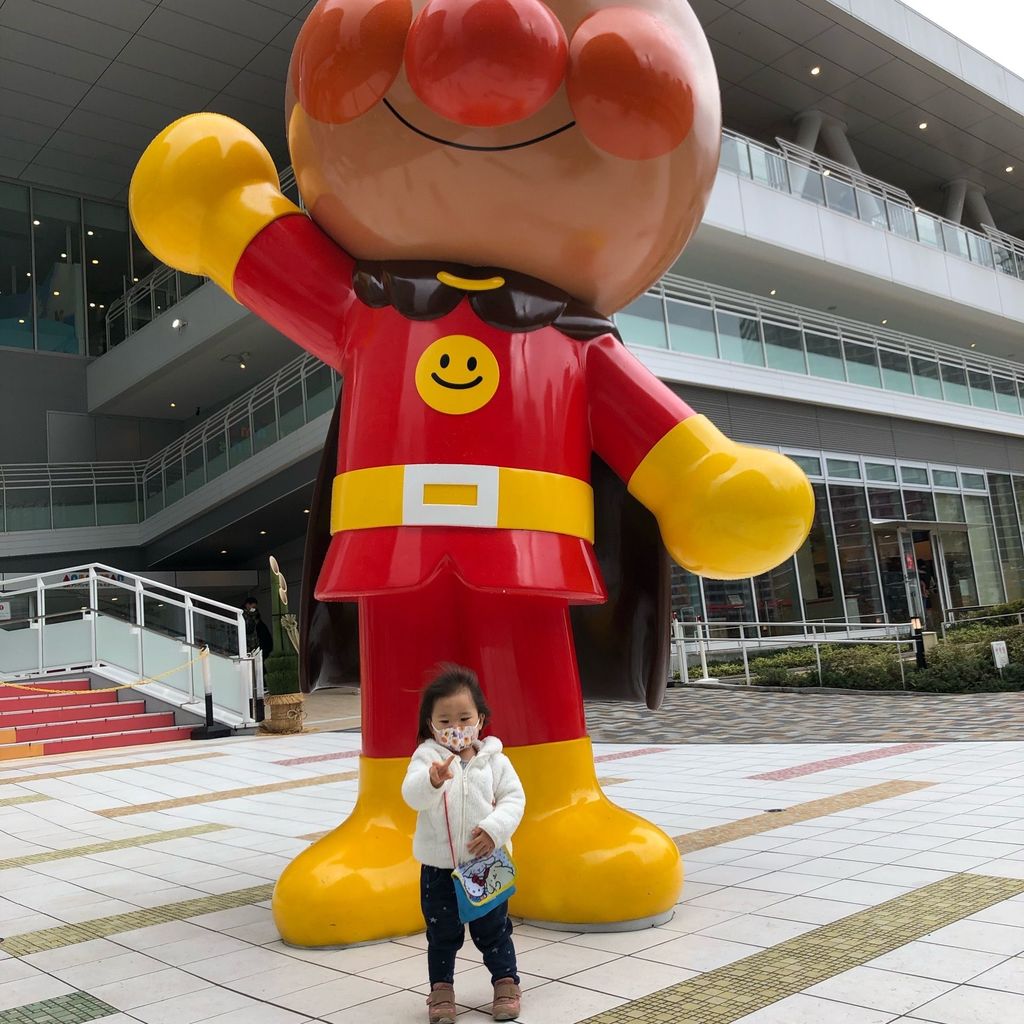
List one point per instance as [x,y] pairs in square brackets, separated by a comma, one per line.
[622,646]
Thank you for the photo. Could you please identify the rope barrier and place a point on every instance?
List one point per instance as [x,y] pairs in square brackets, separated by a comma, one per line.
[32,688]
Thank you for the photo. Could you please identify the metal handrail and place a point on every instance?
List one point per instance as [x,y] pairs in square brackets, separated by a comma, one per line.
[833,168]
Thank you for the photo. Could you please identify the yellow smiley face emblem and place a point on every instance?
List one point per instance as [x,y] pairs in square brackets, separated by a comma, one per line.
[457,374]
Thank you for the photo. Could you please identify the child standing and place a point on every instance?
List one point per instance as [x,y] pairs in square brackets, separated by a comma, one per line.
[470,801]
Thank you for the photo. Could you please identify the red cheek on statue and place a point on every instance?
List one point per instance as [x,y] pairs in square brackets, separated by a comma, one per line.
[630,84]
[347,56]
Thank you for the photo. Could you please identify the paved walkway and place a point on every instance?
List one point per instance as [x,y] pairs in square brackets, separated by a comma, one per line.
[756,716]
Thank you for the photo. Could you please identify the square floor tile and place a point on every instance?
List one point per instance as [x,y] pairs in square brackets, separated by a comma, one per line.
[942,963]
[980,935]
[560,959]
[1007,977]
[150,988]
[698,952]
[321,1000]
[880,990]
[812,1010]
[400,1008]
[630,977]
[968,1005]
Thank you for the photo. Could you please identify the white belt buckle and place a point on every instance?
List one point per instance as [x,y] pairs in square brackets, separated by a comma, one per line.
[416,511]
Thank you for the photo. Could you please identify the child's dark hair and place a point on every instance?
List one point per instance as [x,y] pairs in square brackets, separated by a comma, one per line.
[448,681]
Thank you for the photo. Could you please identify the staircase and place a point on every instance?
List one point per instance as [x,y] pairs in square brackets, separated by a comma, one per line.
[67,716]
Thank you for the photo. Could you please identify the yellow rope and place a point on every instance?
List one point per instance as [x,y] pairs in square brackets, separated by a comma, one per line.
[32,688]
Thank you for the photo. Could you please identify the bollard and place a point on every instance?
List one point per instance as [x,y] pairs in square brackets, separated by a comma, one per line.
[211,730]
[922,661]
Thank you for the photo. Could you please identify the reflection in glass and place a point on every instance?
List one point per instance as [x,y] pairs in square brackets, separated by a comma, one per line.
[740,338]
[728,601]
[239,441]
[784,346]
[60,298]
[15,268]
[808,463]
[954,381]
[856,553]
[983,545]
[1007,399]
[107,268]
[982,393]
[216,454]
[901,220]
[776,595]
[816,563]
[862,364]
[914,475]
[844,469]
[825,356]
[691,329]
[919,505]
[116,504]
[319,391]
[926,377]
[949,508]
[894,577]
[881,471]
[264,424]
[686,600]
[642,322]
[154,492]
[886,504]
[73,506]
[28,508]
[956,552]
[734,156]
[973,481]
[289,408]
[1008,536]
[944,478]
[840,196]
[896,371]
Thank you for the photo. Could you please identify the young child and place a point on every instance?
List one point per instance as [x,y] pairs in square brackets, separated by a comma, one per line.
[453,768]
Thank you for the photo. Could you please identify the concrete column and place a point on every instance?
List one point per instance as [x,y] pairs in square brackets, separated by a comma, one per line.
[976,207]
[833,135]
[956,193]
[965,202]
[808,125]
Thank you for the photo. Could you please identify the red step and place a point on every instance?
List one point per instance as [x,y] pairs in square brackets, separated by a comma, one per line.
[94,727]
[122,739]
[30,702]
[74,713]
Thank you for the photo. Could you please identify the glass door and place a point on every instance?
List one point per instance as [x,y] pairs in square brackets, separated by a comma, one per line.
[895,589]
[916,589]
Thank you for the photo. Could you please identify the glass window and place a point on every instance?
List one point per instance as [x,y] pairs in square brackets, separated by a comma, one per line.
[856,553]
[289,408]
[914,475]
[896,371]
[60,299]
[143,261]
[808,463]
[901,220]
[768,168]
[871,209]
[1008,536]
[642,322]
[73,506]
[973,481]
[926,377]
[107,269]
[154,492]
[776,595]
[264,419]
[818,567]
[174,483]
[784,347]
[825,356]
[239,441]
[885,504]
[945,478]
[980,249]
[734,156]
[117,504]
[954,383]
[216,454]
[956,551]
[920,505]
[195,477]
[955,240]
[982,393]
[739,338]
[986,555]
[894,577]
[686,599]
[862,364]
[1007,399]
[28,508]
[949,508]
[929,230]
[881,471]
[807,184]
[15,268]
[692,329]
[844,469]
[728,601]
[319,391]
[840,196]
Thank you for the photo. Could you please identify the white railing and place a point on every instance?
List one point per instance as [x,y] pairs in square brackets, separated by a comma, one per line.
[129,629]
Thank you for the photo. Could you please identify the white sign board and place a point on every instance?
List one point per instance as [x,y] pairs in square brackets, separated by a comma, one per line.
[5,610]
[1000,655]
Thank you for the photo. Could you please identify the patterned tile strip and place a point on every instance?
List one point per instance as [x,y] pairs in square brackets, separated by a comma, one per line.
[28,798]
[226,794]
[108,847]
[312,759]
[758,823]
[73,1008]
[629,753]
[102,927]
[17,780]
[782,774]
[729,993]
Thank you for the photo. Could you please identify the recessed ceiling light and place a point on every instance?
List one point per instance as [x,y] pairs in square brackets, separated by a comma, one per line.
[1009,170]
[95,263]
[223,551]
[263,533]
[63,255]
[29,274]
[92,305]
[114,599]
[923,125]
[974,344]
[825,173]
[56,295]
[21,321]
[135,279]
[917,209]
[884,322]
[772,292]
[816,70]
[102,306]
[36,223]
[306,510]
[90,233]
[174,405]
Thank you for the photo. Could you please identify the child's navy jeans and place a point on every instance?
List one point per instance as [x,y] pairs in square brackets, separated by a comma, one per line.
[491,933]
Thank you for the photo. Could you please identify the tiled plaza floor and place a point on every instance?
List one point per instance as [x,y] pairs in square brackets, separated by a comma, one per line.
[827,883]
[697,715]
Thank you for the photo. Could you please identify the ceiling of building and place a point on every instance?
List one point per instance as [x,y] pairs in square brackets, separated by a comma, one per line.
[85,86]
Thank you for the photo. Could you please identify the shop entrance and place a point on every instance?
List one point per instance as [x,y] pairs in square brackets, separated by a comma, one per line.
[926,570]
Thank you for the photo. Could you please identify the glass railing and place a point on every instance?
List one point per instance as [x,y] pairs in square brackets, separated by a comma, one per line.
[832,185]
[163,288]
[54,497]
[718,323]
[129,628]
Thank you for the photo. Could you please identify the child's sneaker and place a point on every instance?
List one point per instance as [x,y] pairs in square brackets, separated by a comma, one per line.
[441,1004]
[507,996]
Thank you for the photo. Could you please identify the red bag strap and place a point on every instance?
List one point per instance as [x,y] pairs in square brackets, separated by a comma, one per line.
[448,825]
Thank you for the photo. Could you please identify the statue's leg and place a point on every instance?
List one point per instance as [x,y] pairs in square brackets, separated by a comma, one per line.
[582,860]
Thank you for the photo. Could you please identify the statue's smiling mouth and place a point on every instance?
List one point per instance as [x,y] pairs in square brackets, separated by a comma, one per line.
[477,149]
[456,387]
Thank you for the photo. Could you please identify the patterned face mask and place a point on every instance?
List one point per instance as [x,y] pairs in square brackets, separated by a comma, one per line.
[456,737]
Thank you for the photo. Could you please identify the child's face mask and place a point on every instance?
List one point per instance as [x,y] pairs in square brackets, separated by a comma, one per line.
[456,737]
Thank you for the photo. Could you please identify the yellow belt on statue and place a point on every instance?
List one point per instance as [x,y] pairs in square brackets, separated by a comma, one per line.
[461,495]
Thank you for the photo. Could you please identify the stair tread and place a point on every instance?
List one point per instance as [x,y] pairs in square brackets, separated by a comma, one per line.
[104,736]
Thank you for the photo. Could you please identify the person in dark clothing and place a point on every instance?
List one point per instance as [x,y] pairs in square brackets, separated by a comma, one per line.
[256,632]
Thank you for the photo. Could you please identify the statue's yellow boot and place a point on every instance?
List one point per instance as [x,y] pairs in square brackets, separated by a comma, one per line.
[583,861]
[360,883]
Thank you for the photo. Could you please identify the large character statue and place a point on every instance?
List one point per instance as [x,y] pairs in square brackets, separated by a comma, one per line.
[485,183]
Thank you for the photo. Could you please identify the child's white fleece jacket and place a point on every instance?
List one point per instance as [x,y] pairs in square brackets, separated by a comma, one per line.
[484,792]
